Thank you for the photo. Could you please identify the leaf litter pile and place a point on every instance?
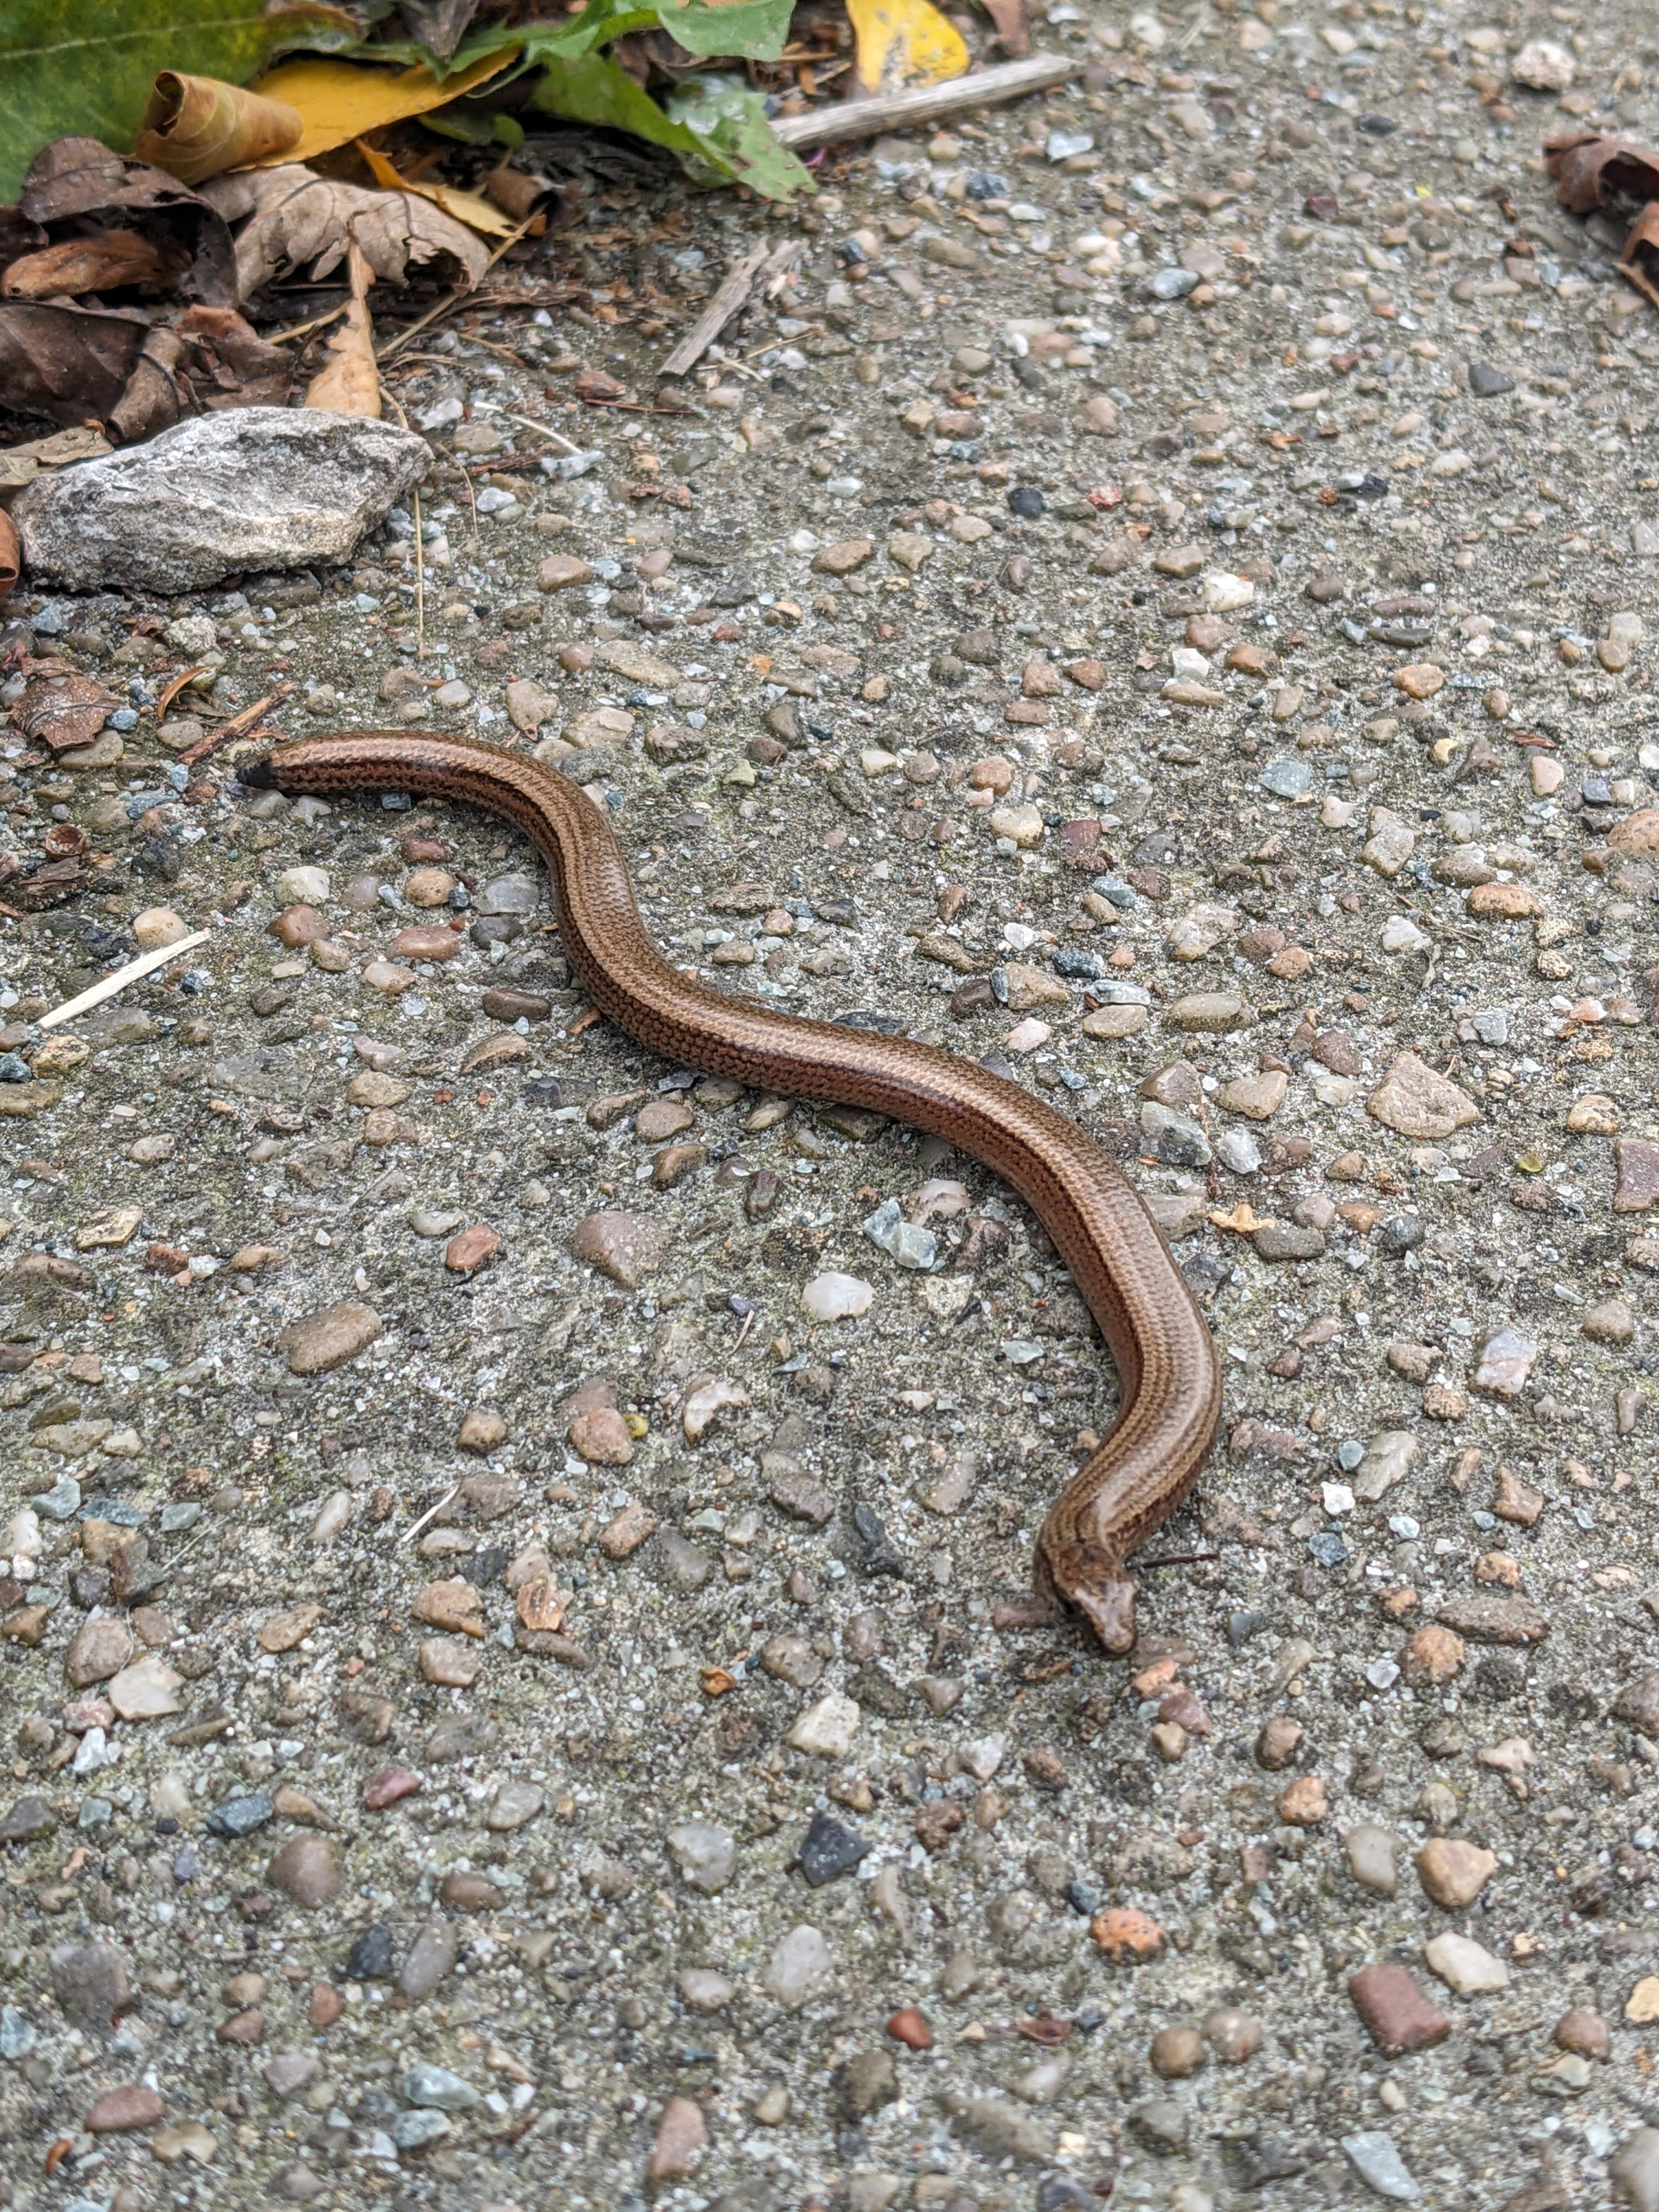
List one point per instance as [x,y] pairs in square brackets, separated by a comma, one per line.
[204,196]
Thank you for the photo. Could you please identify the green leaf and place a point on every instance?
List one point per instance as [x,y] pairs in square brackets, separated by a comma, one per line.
[755,29]
[728,119]
[716,125]
[85,68]
[596,89]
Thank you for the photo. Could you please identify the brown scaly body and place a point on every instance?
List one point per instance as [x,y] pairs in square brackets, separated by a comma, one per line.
[1172,1387]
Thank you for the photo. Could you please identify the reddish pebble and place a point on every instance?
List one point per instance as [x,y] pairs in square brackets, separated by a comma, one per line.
[426,941]
[119,2111]
[297,925]
[472,1249]
[1400,2017]
[246,2028]
[325,2006]
[387,1787]
[1124,1934]
[910,2028]
[419,850]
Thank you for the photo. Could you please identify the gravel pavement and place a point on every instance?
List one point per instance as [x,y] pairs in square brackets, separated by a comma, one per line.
[521,1687]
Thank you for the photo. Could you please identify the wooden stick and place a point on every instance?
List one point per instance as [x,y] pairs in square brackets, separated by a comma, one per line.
[107,986]
[755,269]
[900,111]
[238,725]
[715,316]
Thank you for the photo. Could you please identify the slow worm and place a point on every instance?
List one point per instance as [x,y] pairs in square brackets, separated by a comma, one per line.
[1166,1361]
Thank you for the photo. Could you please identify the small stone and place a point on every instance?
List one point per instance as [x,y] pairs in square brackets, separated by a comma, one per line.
[703,1988]
[682,2138]
[431,1959]
[837,1298]
[1611,1322]
[389,1788]
[1432,1656]
[630,1528]
[99,1649]
[89,1981]
[1177,2052]
[119,2112]
[1506,1360]
[452,1604]
[829,1849]
[473,1248]
[147,1690]
[1634,2170]
[705,1853]
[1372,1854]
[1125,1935]
[1398,2015]
[1637,1703]
[1453,1872]
[305,1867]
[560,572]
[1466,1967]
[1373,2157]
[453,1665]
[481,1430]
[438,2089]
[327,1339]
[1302,1804]
[282,1631]
[843,557]
[1585,2032]
[626,1247]
[1234,2036]
[513,1804]
[799,1964]
[826,1729]
[1257,1098]
[370,1959]
[1206,1011]
[1415,1102]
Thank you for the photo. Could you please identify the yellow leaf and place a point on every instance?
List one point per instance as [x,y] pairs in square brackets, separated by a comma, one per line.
[903,42]
[470,208]
[338,100]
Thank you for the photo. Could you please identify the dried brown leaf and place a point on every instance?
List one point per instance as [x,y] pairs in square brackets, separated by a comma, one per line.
[74,180]
[11,555]
[1013,24]
[66,362]
[1639,262]
[293,219]
[62,711]
[1591,170]
[350,381]
[196,127]
[102,261]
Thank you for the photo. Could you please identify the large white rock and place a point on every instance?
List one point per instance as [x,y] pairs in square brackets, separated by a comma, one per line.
[244,488]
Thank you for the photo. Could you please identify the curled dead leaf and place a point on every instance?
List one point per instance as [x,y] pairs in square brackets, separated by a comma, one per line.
[1590,170]
[715,1681]
[292,219]
[1640,259]
[11,557]
[196,127]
